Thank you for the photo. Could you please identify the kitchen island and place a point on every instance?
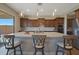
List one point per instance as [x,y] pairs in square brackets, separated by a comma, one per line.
[29,34]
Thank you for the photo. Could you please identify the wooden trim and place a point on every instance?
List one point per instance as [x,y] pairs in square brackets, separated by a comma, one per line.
[76,10]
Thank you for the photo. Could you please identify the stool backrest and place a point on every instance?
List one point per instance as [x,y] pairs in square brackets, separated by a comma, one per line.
[68,40]
[39,39]
[9,40]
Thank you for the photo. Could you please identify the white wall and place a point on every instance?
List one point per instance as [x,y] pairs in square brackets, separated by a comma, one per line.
[10,11]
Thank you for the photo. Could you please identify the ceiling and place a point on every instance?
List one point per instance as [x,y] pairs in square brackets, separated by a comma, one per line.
[43,10]
[4,15]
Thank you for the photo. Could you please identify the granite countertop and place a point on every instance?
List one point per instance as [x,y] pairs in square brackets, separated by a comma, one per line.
[29,34]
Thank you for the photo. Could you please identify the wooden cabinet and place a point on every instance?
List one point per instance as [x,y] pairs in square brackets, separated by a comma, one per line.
[26,22]
[41,21]
[37,22]
[59,24]
[23,22]
[77,13]
[60,21]
[50,23]
[34,23]
[47,23]
[69,23]
[70,26]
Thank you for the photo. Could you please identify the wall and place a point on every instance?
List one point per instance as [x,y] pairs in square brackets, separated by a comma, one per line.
[11,12]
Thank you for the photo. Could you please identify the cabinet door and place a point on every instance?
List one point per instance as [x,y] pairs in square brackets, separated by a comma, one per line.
[77,14]
[34,23]
[23,22]
[41,22]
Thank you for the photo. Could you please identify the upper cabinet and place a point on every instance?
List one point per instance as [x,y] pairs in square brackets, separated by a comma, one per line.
[24,22]
[59,21]
[77,13]
[50,23]
[77,16]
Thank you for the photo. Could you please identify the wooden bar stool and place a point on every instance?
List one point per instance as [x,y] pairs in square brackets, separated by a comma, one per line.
[38,43]
[67,44]
[10,44]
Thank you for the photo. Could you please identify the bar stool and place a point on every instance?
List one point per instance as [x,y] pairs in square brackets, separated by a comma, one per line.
[67,44]
[38,43]
[10,44]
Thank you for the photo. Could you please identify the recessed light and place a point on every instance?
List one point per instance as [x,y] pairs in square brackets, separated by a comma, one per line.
[27,10]
[37,14]
[53,13]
